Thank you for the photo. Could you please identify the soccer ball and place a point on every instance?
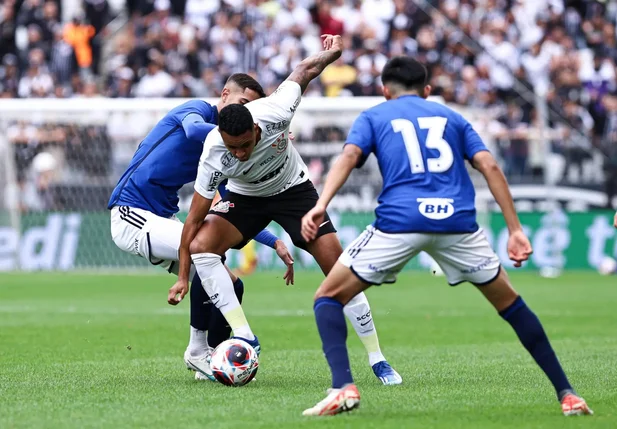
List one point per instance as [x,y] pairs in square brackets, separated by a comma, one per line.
[234,363]
[607,266]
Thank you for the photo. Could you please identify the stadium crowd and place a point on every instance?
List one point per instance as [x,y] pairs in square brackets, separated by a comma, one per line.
[480,53]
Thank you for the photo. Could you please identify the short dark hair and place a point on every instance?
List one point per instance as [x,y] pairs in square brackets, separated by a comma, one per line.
[405,71]
[235,119]
[244,81]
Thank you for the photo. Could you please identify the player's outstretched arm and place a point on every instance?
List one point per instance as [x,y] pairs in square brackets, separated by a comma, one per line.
[519,247]
[197,213]
[311,67]
[338,175]
[195,128]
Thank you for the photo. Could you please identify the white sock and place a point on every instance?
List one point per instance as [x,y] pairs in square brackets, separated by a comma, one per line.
[358,312]
[198,342]
[220,289]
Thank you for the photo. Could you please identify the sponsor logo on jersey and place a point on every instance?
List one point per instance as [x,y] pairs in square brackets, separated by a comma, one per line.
[248,169]
[436,208]
[228,160]
[277,127]
[271,174]
[215,178]
[267,160]
[223,207]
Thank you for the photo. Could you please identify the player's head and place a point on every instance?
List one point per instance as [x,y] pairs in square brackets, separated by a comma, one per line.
[239,132]
[404,75]
[240,88]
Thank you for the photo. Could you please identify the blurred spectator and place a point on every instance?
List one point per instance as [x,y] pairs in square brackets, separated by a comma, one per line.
[337,76]
[8,26]
[37,81]
[37,193]
[512,136]
[78,34]
[609,148]
[122,84]
[62,59]
[9,76]
[156,82]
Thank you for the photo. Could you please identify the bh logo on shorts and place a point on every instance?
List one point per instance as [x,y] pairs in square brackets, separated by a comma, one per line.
[436,208]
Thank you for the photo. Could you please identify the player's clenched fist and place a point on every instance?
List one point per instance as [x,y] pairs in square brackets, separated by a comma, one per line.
[615,221]
[332,42]
[519,248]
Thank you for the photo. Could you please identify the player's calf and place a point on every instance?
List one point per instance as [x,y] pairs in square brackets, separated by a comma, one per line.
[533,337]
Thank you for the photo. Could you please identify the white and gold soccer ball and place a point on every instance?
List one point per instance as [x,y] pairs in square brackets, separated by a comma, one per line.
[607,266]
[234,362]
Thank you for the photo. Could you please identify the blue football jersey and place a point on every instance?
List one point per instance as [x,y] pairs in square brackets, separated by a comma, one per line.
[421,148]
[166,160]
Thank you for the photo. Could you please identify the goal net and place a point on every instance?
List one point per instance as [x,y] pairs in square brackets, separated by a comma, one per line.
[62,158]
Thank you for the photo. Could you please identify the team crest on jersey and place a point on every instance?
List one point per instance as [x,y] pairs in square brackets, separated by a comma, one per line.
[223,207]
[280,144]
[228,160]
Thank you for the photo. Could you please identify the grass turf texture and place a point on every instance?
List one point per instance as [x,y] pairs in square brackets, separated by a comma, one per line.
[86,351]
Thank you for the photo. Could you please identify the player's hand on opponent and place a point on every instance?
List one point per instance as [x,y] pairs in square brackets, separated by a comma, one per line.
[283,252]
[332,42]
[519,248]
[311,222]
[177,292]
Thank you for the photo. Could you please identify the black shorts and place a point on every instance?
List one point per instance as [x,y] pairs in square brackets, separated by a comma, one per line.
[250,215]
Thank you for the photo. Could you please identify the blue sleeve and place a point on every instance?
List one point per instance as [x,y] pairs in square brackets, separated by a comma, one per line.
[472,142]
[195,127]
[361,135]
[265,237]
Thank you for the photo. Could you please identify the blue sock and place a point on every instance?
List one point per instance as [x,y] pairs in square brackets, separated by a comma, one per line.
[219,329]
[333,332]
[200,311]
[532,335]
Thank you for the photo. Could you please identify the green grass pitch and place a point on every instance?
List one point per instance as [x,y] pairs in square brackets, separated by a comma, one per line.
[105,351]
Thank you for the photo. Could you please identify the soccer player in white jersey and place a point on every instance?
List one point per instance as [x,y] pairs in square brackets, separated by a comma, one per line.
[426,204]
[267,181]
[145,202]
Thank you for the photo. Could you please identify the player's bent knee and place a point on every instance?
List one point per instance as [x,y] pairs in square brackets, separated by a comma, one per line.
[197,246]
[341,285]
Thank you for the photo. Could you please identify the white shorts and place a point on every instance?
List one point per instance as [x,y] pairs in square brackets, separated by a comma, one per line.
[377,257]
[145,234]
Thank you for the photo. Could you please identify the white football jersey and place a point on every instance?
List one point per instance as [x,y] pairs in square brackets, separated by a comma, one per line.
[274,165]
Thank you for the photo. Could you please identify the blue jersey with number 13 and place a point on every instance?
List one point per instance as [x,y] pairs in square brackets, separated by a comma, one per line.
[421,148]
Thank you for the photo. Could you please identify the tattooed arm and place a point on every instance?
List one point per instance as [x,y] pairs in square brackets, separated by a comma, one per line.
[312,66]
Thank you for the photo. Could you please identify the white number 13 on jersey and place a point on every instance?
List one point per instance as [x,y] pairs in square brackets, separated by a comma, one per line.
[436,126]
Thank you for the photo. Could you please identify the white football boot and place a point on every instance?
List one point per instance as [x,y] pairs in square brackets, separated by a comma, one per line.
[200,364]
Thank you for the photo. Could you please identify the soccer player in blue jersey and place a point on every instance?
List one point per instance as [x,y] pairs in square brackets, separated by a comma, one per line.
[145,201]
[426,204]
